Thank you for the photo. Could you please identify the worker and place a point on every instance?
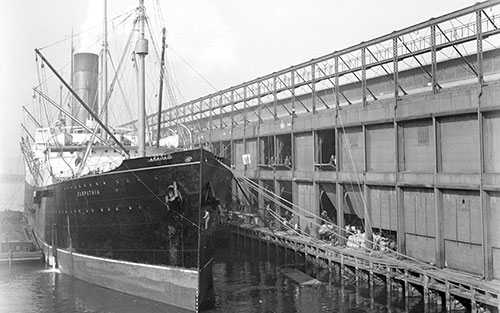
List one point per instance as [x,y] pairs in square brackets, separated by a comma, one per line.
[206,218]
[324,217]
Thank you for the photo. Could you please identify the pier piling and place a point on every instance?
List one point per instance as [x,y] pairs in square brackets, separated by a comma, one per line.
[365,267]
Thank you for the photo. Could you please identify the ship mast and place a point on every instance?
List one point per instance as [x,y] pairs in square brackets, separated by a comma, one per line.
[105,67]
[71,82]
[160,93]
[141,49]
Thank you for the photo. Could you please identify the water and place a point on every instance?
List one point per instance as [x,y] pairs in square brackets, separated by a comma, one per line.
[245,280]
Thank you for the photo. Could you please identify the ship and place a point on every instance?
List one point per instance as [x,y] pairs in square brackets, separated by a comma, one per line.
[111,208]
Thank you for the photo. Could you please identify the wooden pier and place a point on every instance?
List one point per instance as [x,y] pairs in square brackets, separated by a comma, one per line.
[413,277]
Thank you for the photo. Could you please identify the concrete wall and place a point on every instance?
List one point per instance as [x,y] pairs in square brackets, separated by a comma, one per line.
[459,144]
[382,204]
[431,197]
[420,223]
[494,226]
[253,151]
[306,198]
[380,146]
[462,231]
[238,151]
[491,130]
[351,152]
[416,139]
[303,151]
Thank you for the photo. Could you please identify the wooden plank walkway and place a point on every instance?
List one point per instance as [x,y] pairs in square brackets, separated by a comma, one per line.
[423,277]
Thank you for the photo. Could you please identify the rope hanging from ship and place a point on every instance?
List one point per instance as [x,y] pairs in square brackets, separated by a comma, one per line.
[393,256]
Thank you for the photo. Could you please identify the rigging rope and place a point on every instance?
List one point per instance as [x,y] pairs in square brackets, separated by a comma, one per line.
[354,168]
[86,30]
[423,266]
[194,70]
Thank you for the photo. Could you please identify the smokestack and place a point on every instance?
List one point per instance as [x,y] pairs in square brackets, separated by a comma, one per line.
[85,82]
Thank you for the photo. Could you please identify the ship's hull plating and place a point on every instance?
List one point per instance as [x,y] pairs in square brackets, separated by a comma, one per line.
[144,228]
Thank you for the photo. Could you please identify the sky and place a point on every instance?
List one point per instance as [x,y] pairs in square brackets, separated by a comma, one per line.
[223,42]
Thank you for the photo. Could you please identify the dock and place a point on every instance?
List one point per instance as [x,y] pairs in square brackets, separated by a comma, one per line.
[15,239]
[15,257]
[413,278]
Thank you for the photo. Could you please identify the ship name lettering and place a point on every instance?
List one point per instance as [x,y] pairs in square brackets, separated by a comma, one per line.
[86,193]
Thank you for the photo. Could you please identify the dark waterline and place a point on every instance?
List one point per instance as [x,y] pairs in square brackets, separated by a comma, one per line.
[245,280]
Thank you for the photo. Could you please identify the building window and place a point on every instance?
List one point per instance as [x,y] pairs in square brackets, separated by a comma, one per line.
[423,136]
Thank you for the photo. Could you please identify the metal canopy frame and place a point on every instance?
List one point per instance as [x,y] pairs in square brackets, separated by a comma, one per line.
[281,90]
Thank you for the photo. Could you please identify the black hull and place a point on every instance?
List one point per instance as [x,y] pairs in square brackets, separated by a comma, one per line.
[148,211]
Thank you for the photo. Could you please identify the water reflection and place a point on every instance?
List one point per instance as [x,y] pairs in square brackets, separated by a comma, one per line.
[33,287]
[248,279]
[245,280]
